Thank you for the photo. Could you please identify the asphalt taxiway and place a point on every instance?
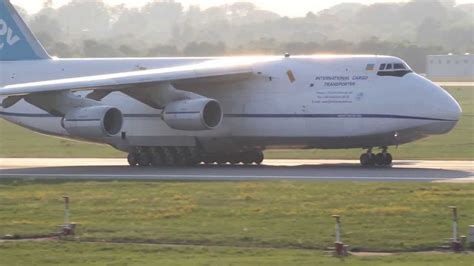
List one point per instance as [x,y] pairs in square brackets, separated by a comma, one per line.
[327,170]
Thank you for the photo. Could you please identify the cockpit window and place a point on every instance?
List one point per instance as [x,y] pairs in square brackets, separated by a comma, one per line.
[398,66]
[393,69]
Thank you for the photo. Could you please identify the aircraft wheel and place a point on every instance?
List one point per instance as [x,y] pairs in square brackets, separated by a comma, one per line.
[208,159]
[193,156]
[222,160]
[367,159]
[383,159]
[132,159]
[182,157]
[388,159]
[234,159]
[259,157]
[156,157]
[248,158]
[168,156]
[380,159]
[143,159]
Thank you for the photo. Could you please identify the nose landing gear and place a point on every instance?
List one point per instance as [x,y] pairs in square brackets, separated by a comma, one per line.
[368,158]
[381,159]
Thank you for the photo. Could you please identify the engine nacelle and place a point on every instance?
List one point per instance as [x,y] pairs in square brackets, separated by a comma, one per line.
[93,122]
[194,114]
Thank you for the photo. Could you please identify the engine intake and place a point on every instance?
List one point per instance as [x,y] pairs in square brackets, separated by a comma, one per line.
[93,122]
[195,114]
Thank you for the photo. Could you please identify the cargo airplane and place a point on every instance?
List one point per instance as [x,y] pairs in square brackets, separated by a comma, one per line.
[189,111]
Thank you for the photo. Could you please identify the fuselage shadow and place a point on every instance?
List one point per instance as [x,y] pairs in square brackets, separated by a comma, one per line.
[235,172]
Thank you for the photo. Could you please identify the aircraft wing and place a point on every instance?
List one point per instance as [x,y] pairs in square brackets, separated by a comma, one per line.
[210,70]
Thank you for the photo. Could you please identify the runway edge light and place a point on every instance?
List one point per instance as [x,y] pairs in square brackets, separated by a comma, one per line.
[67,228]
[339,248]
[456,244]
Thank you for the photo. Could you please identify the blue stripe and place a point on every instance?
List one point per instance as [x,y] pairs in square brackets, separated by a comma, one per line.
[335,116]
[142,115]
[178,113]
[83,120]
[264,116]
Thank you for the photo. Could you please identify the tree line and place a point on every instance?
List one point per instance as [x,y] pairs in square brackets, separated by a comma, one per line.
[165,28]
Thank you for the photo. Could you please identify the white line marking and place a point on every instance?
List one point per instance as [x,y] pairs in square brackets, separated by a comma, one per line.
[218,177]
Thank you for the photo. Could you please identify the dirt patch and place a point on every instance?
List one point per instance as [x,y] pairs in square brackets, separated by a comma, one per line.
[371,254]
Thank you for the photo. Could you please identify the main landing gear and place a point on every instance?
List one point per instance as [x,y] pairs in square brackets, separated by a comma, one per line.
[380,159]
[189,156]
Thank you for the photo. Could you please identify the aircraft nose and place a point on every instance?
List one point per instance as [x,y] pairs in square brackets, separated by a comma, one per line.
[445,109]
[450,108]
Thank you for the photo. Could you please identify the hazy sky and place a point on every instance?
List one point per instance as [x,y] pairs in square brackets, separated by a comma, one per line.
[283,7]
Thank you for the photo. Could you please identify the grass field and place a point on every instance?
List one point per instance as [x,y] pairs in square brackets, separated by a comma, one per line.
[231,223]
[278,214]
[457,145]
[66,253]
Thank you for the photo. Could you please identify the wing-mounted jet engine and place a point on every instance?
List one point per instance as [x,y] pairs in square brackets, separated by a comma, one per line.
[93,122]
[182,110]
[194,114]
[82,117]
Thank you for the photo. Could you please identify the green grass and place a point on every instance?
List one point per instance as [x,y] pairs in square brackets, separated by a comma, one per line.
[456,145]
[278,214]
[66,253]
[18,142]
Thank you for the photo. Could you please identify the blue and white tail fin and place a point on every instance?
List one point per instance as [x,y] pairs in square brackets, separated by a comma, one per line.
[17,42]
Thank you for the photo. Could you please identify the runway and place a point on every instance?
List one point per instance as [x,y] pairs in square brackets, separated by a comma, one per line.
[455,83]
[317,170]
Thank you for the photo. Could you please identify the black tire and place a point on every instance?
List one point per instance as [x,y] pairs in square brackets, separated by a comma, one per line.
[181,156]
[208,161]
[248,158]
[144,159]
[156,157]
[168,156]
[222,160]
[193,156]
[259,157]
[388,159]
[380,159]
[367,159]
[234,159]
[132,159]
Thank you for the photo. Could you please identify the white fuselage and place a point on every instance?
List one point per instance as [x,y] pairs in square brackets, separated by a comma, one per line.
[314,101]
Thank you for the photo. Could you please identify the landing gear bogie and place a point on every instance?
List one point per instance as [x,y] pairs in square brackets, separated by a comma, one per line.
[383,158]
[190,156]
